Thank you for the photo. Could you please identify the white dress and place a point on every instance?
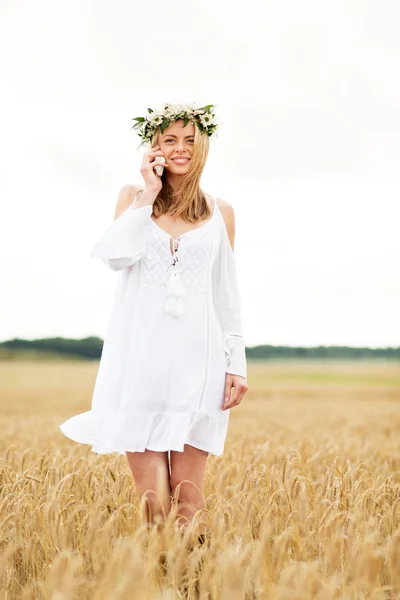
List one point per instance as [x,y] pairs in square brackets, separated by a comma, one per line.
[161,376]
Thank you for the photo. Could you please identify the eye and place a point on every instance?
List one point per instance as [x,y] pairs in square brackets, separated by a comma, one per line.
[171,140]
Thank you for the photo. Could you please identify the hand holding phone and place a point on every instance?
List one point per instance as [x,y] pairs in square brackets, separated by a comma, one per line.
[152,168]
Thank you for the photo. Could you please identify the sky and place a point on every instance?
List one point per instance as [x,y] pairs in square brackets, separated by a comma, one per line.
[308,154]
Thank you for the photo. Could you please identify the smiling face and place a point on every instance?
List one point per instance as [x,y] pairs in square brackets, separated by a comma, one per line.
[177,142]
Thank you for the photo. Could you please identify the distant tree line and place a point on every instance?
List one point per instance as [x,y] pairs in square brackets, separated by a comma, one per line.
[345,352]
[91,348]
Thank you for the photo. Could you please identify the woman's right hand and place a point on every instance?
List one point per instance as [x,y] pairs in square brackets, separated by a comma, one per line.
[151,179]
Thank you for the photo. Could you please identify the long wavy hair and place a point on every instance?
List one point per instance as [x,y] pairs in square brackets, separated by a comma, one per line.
[189,201]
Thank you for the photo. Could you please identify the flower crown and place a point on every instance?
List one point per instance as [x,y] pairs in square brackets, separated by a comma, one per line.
[203,117]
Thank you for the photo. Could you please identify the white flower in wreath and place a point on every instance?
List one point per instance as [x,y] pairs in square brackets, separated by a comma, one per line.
[207,120]
[155,119]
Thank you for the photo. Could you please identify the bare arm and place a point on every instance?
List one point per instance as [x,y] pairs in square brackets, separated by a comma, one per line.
[127,195]
[228,214]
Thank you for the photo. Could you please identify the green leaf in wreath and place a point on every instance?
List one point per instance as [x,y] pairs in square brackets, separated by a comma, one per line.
[164,124]
[206,108]
[137,126]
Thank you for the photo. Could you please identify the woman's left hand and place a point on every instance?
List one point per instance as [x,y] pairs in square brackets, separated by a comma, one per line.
[240,384]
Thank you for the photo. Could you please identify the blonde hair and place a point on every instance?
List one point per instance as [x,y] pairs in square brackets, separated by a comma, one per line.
[189,202]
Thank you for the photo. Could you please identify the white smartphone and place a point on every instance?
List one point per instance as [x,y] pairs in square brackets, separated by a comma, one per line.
[159,169]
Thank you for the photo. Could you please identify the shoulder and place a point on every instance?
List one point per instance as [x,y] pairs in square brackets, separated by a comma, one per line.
[228,215]
[125,198]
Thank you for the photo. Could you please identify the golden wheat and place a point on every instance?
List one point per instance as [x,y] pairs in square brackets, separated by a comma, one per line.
[304,503]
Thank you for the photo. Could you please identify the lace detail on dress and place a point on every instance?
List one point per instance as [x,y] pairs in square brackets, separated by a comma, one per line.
[155,263]
[194,253]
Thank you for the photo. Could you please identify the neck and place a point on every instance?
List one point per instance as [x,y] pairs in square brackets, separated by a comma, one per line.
[174,180]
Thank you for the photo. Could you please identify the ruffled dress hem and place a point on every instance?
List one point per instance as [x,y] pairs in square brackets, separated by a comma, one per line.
[109,431]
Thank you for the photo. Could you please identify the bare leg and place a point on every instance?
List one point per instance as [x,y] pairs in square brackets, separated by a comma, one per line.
[187,474]
[150,471]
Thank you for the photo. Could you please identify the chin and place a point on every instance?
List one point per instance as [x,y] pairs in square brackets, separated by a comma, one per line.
[177,169]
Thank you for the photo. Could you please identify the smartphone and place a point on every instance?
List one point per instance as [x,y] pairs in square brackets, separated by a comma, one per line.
[159,169]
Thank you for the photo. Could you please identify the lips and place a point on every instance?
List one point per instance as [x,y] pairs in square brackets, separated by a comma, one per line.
[181,161]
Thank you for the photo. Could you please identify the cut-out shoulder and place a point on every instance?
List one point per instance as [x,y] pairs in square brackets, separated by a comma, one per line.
[228,215]
[126,196]
[222,203]
[129,188]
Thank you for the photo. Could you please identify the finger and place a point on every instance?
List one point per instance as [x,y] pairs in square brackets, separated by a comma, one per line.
[154,164]
[227,401]
[232,401]
[153,159]
[157,164]
[242,388]
[228,388]
[148,155]
[237,395]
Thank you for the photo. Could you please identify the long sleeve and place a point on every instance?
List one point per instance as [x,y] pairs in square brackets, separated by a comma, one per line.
[227,302]
[124,242]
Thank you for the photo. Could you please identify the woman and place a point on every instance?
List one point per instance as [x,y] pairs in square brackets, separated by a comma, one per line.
[173,360]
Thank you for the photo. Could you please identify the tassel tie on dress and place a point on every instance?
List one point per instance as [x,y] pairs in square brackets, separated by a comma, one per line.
[175,288]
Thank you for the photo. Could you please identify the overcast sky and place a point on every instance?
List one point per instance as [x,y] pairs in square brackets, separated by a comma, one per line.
[308,154]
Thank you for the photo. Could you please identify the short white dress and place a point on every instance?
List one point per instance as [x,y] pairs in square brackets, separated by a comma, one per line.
[174,332]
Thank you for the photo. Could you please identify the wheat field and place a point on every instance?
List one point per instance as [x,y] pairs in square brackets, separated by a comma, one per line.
[304,502]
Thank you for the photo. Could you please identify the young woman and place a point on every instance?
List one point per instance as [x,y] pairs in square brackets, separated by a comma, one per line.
[173,362]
